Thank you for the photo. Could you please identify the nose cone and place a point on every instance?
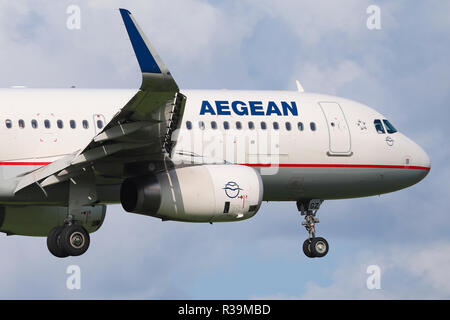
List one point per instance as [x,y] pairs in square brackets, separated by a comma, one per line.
[420,162]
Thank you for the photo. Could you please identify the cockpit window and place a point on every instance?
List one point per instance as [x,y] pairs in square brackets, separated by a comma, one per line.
[389,127]
[379,126]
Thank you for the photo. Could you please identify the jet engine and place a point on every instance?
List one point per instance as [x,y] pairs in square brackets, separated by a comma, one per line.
[204,193]
[39,220]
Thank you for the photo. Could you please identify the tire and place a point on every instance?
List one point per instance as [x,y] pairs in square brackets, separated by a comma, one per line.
[54,243]
[319,247]
[307,248]
[75,240]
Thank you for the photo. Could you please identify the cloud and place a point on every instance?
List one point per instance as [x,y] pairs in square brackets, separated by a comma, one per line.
[407,272]
[329,79]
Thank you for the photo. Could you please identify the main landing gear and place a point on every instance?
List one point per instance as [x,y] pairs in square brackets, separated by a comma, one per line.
[313,247]
[68,240]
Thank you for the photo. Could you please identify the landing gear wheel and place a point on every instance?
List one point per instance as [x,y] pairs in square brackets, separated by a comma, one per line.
[54,243]
[75,240]
[319,247]
[307,248]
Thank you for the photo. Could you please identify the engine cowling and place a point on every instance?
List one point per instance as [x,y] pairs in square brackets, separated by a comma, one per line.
[206,193]
[39,220]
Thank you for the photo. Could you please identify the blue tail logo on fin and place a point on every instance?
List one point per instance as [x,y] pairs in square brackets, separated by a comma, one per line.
[145,58]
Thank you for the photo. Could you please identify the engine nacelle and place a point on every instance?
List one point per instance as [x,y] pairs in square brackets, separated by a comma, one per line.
[206,193]
[39,220]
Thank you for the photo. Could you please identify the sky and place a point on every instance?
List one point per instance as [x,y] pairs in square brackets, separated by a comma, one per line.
[401,70]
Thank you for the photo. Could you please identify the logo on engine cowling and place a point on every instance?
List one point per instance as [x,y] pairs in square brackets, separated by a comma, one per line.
[232,189]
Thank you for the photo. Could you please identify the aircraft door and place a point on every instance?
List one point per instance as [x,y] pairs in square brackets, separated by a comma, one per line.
[338,130]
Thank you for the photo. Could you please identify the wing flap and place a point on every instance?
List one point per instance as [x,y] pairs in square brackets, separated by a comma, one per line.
[45,171]
[120,131]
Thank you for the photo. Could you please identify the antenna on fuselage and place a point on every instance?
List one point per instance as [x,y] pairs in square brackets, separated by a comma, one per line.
[299,86]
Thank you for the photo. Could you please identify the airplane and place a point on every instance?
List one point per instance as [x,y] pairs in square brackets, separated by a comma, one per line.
[201,156]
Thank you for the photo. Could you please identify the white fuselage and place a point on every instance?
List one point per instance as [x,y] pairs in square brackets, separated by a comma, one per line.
[304,145]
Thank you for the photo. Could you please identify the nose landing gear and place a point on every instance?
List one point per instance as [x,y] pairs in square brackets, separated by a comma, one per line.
[313,247]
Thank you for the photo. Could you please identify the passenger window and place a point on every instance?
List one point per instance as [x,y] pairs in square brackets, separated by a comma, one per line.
[85,124]
[379,126]
[238,125]
[300,126]
[99,124]
[73,124]
[251,125]
[226,125]
[312,125]
[263,125]
[288,126]
[34,124]
[389,127]
[47,124]
[201,125]
[213,125]
[188,125]
[60,124]
[8,123]
[21,124]
[276,126]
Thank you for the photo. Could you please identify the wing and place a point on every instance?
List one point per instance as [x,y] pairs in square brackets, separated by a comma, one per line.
[137,136]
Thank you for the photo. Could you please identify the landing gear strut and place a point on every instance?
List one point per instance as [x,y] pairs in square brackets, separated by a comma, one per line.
[68,240]
[71,239]
[313,247]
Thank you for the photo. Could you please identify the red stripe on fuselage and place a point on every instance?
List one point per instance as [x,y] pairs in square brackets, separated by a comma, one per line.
[311,165]
[24,163]
[281,165]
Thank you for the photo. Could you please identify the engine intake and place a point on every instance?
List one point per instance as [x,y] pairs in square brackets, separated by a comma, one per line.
[141,195]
